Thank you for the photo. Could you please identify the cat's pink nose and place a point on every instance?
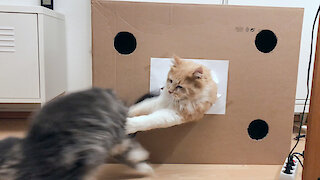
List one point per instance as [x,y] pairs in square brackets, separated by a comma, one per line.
[170,92]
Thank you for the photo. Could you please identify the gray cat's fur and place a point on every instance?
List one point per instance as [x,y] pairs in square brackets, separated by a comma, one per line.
[70,138]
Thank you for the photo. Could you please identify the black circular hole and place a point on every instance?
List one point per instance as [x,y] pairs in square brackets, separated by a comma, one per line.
[125,43]
[258,129]
[266,41]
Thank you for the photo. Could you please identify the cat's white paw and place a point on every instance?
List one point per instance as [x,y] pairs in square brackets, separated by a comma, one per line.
[130,114]
[130,127]
[144,169]
[132,111]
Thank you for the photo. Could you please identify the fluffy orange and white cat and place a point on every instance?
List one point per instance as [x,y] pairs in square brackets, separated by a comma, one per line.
[188,94]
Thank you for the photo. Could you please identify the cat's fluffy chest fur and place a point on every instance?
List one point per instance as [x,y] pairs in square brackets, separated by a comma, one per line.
[189,109]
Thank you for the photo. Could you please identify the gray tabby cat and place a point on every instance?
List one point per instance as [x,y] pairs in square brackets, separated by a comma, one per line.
[70,138]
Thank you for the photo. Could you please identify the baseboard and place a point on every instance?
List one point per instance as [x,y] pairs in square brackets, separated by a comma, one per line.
[14,115]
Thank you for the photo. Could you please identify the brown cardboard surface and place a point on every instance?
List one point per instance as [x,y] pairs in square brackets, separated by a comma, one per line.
[260,85]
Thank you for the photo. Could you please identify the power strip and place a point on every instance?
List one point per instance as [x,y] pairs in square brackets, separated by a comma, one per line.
[294,171]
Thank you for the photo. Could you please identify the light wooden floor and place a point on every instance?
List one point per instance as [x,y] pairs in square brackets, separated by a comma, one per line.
[172,171]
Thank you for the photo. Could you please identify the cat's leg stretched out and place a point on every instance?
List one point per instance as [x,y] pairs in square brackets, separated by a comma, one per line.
[144,107]
[162,118]
[132,154]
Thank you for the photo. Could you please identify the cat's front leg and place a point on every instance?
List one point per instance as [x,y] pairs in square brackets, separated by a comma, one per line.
[143,108]
[159,119]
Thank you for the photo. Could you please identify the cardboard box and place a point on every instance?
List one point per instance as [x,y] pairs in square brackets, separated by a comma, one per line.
[262,46]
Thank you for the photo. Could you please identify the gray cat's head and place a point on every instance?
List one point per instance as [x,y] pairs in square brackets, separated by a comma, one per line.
[114,103]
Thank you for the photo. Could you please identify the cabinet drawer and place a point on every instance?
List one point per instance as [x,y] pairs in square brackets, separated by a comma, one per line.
[19,65]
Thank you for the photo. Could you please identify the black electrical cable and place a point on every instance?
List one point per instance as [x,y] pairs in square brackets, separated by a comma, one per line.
[301,136]
[298,154]
[308,77]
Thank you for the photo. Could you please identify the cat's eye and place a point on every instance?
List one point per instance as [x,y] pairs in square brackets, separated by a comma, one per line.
[179,87]
[170,81]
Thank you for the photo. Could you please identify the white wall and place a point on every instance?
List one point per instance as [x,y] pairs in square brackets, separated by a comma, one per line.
[78,35]
[78,38]
[20,2]
[182,1]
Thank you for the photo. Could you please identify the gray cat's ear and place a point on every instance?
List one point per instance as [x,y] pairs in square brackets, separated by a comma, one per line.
[198,73]
[176,61]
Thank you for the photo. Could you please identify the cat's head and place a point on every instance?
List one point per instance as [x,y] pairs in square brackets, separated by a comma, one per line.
[186,79]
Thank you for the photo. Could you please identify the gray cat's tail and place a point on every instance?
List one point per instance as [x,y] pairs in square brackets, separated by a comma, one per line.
[7,144]
[10,157]
[147,96]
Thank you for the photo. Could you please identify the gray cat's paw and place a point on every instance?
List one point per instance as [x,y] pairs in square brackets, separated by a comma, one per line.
[138,155]
[144,168]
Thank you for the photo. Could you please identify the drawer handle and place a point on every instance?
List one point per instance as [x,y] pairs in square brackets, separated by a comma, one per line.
[7,50]
[6,28]
[6,38]
[7,33]
[7,44]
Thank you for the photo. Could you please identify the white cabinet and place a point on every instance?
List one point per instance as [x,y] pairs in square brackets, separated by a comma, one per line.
[32,54]
[19,67]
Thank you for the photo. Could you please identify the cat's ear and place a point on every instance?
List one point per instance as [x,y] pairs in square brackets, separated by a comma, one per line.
[198,73]
[176,61]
